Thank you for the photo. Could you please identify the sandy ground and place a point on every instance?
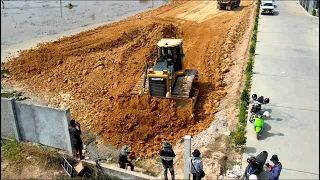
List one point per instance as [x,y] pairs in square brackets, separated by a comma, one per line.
[87,72]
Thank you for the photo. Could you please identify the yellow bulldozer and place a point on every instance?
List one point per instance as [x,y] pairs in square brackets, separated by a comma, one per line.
[168,78]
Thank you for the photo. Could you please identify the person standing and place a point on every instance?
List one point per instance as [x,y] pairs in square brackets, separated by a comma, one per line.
[123,158]
[196,165]
[274,171]
[75,133]
[167,156]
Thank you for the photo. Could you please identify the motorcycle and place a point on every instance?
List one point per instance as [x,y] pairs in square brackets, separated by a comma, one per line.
[259,122]
[256,106]
[255,164]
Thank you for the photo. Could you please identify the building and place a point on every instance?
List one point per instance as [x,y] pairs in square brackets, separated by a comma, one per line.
[308,5]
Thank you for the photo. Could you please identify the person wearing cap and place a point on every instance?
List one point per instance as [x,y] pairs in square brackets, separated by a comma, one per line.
[123,158]
[75,135]
[196,164]
[274,171]
[167,156]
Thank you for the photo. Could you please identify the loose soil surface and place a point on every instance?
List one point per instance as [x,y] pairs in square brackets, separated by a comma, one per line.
[88,71]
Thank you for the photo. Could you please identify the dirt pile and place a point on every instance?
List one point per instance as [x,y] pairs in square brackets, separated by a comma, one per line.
[87,72]
[145,122]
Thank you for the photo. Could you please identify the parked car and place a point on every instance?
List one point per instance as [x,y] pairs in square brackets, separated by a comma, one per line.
[267,7]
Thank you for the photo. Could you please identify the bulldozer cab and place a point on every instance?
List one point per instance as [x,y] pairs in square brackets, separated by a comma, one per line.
[170,51]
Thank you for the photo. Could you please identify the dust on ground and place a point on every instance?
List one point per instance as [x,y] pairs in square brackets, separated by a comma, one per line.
[87,72]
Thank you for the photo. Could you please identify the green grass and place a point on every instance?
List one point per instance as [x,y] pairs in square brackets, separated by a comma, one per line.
[314,12]
[14,94]
[16,153]
[4,73]
[238,136]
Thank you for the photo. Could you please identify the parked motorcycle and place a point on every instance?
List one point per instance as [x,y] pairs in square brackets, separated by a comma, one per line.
[255,165]
[256,106]
[259,122]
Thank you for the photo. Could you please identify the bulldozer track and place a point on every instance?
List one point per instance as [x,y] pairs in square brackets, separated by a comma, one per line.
[183,85]
[139,86]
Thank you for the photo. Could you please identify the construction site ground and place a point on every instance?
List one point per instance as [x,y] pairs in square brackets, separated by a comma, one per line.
[86,72]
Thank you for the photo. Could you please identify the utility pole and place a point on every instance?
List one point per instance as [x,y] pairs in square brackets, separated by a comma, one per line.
[186,157]
[61,7]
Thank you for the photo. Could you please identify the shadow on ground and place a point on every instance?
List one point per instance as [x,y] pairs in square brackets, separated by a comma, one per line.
[266,134]
[251,150]
[275,13]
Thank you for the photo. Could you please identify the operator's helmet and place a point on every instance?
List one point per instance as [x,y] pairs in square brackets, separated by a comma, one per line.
[124,150]
[250,159]
[253,177]
[254,97]
[266,114]
[266,100]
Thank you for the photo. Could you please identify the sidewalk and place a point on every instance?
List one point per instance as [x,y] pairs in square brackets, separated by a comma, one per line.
[286,69]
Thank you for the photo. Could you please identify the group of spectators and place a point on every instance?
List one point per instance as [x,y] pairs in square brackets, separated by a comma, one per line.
[167,155]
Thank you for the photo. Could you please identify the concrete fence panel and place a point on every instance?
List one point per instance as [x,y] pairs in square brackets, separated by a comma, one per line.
[8,120]
[35,123]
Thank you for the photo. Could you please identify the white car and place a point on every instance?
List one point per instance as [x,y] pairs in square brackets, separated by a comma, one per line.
[267,6]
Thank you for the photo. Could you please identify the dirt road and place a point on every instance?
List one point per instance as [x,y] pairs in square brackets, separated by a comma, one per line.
[87,71]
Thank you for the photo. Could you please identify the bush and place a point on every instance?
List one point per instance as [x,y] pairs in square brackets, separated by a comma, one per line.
[314,13]
[252,48]
[318,12]
[243,112]
[5,73]
[245,96]
[248,80]
[254,37]
[249,66]
[240,138]
[255,28]
[240,128]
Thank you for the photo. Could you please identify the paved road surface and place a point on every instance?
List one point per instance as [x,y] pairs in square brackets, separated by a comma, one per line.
[286,70]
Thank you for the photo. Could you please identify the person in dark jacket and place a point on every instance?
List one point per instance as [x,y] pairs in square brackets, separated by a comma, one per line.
[274,171]
[75,134]
[167,156]
[123,158]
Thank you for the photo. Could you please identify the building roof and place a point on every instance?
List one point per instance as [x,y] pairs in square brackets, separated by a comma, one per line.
[169,42]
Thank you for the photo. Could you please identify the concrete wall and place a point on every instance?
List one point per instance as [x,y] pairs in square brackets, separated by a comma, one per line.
[121,173]
[308,5]
[44,125]
[8,120]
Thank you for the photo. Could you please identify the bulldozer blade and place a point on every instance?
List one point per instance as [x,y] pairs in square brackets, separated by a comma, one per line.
[182,102]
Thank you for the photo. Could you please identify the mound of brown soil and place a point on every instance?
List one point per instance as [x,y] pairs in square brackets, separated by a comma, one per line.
[87,72]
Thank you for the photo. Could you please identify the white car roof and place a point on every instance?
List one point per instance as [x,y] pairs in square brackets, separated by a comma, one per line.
[267,2]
